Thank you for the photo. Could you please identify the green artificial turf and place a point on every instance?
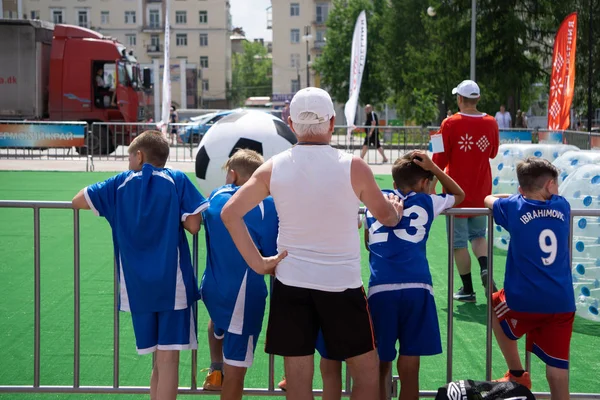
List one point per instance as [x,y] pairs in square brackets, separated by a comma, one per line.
[16,305]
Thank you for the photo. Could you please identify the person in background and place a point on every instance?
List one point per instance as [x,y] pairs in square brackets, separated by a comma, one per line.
[520,119]
[503,118]
[285,113]
[372,133]
[107,93]
[173,119]
[470,140]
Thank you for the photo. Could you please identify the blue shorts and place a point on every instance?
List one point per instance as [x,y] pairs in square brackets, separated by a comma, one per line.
[320,346]
[467,229]
[165,330]
[406,315]
[238,350]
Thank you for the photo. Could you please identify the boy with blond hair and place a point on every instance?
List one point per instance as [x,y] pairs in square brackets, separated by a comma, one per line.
[400,288]
[538,298]
[234,294]
[148,208]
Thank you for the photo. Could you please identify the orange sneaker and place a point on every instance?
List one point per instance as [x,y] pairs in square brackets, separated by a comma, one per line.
[524,379]
[283,384]
[213,380]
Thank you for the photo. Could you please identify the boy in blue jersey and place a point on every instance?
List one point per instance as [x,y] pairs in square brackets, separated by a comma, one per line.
[400,287]
[234,294]
[148,208]
[537,298]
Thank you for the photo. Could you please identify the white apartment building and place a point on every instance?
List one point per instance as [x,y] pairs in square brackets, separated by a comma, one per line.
[199,43]
[299,34]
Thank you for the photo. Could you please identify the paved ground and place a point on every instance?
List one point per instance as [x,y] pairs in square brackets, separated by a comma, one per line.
[77,164]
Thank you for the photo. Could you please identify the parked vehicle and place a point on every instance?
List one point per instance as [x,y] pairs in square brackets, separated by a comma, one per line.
[194,132]
[69,73]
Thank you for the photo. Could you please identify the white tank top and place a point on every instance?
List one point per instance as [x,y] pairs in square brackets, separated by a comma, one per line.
[317,210]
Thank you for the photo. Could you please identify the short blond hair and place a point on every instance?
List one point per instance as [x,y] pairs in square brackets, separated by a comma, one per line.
[153,145]
[244,162]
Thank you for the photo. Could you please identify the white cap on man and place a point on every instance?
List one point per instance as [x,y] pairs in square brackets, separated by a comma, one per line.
[468,89]
[312,100]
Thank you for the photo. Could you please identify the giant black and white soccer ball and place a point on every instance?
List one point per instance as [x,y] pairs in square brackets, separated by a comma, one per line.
[245,129]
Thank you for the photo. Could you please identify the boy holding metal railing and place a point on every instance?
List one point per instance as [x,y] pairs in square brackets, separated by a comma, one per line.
[538,298]
[148,208]
[400,288]
[234,294]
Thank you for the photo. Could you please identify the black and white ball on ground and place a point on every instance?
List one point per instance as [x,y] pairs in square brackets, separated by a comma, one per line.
[246,129]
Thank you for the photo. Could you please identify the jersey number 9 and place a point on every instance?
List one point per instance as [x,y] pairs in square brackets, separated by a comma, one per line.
[550,248]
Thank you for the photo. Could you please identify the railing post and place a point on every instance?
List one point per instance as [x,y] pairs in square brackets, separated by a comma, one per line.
[271,381]
[116,326]
[76,298]
[36,285]
[450,331]
[490,291]
[194,383]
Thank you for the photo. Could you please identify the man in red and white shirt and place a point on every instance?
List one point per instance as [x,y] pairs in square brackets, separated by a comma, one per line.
[470,140]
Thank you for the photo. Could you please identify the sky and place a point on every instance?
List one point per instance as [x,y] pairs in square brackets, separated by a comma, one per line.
[252,16]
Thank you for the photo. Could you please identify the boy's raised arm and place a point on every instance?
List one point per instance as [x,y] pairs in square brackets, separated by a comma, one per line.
[448,183]
[491,199]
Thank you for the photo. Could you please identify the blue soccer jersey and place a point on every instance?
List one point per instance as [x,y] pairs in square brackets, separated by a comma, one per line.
[233,293]
[145,210]
[398,255]
[538,275]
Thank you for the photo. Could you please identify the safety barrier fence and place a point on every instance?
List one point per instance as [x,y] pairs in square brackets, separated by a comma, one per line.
[105,141]
[76,387]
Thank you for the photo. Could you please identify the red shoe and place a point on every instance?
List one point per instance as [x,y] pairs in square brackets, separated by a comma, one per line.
[283,384]
[524,379]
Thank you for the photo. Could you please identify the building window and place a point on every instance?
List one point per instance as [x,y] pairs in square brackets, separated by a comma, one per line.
[295,36]
[322,12]
[131,39]
[203,17]
[205,87]
[294,9]
[104,17]
[295,60]
[35,14]
[295,85]
[130,17]
[154,19]
[82,18]
[203,39]
[203,61]
[181,39]
[155,41]
[58,16]
[180,17]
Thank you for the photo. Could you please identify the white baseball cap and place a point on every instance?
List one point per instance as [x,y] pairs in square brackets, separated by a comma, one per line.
[467,89]
[313,100]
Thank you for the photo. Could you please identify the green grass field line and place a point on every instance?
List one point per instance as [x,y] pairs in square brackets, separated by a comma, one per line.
[16,305]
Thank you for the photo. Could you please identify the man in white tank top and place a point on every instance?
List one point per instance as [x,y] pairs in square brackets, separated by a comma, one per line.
[317,192]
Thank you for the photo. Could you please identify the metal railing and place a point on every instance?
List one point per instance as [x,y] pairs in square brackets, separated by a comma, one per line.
[76,387]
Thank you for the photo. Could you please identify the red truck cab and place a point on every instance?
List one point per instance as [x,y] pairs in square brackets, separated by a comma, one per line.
[79,92]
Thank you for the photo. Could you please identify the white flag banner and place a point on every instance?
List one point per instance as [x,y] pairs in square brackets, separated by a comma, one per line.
[166,87]
[357,65]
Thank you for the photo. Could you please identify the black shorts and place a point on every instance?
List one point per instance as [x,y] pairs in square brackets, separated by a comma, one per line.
[297,314]
[373,140]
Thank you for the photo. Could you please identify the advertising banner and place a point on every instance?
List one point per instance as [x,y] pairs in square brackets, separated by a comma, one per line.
[515,137]
[166,89]
[357,65]
[550,137]
[24,135]
[562,81]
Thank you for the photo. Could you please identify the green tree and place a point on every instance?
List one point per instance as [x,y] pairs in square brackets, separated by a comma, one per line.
[334,63]
[251,73]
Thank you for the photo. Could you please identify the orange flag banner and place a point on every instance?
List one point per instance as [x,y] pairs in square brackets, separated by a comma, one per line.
[562,83]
